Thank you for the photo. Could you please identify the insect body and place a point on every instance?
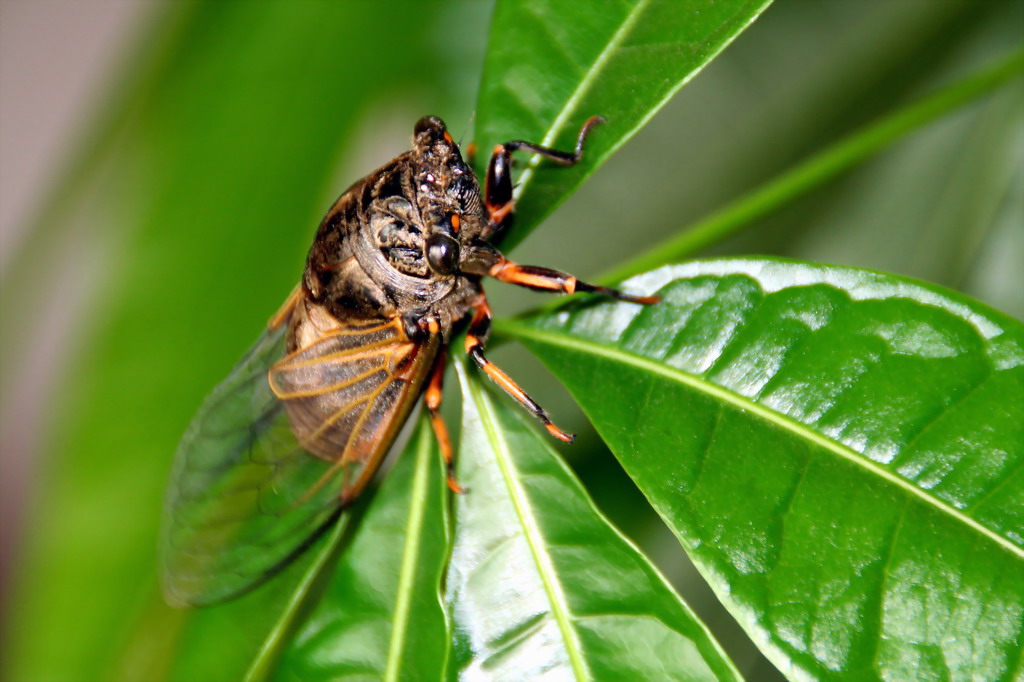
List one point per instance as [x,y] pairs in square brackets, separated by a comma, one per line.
[299,428]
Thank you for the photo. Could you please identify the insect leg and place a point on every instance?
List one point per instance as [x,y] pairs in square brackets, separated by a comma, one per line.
[475,339]
[432,398]
[546,279]
[498,184]
[285,311]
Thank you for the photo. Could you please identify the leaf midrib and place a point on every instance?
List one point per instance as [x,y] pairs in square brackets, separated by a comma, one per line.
[741,402]
[407,572]
[569,107]
[263,663]
[531,531]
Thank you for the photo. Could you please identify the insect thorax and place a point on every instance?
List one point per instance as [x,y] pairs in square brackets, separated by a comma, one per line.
[370,254]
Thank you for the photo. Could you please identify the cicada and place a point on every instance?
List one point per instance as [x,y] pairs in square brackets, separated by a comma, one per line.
[300,426]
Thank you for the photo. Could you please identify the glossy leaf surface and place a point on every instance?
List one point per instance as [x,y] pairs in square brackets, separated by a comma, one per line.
[550,67]
[380,616]
[540,584]
[237,117]
[839,451]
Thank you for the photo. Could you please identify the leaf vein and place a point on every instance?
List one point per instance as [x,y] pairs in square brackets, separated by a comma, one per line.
[407,574]
[890,551]
[937,418]
[588,80]
[998,484]
[532,533]
[778,419]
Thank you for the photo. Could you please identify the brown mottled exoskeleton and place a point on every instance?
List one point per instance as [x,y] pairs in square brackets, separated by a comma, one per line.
[396,264]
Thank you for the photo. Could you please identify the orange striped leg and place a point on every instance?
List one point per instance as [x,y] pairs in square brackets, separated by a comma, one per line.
[498,185]
[546,279]
[475,339]
[432,397]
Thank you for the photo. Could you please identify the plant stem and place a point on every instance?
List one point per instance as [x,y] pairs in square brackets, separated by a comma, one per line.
[820,168]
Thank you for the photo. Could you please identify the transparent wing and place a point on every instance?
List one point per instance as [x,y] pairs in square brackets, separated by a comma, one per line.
[276,451]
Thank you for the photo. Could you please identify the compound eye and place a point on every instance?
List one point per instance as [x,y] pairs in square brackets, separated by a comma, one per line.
[442,254]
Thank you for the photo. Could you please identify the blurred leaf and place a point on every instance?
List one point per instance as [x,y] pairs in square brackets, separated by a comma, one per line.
[540,583]
[242,638]
[188,229]
[803,76]
[551,66]
[381,616]
[992,162]
[991,269]
[839,451]
[929,208]
[905,211]
[822,167]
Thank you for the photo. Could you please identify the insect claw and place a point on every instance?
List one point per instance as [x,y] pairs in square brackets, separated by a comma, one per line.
[642,300]
[558,433]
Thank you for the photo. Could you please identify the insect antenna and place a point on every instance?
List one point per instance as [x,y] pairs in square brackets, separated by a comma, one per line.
[469,126]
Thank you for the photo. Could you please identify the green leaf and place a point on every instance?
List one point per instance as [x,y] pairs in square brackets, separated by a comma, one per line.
[822,167]
[381,615]
[541,583]
[374,612]
[249,632]
[839,451]
[184,227]
[550,67]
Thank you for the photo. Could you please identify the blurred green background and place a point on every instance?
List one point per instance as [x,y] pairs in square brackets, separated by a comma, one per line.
[202,166]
